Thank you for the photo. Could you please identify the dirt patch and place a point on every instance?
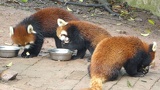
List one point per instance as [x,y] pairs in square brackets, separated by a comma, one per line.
[138,18]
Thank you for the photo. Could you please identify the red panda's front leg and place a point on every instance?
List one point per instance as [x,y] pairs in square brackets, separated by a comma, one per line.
[58,42]
[80,54]
[132,70]
[34,49]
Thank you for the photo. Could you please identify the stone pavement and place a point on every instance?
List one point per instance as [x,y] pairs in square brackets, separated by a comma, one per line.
[42,73]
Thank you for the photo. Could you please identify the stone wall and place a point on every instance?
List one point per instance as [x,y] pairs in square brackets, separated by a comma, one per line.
[152,5]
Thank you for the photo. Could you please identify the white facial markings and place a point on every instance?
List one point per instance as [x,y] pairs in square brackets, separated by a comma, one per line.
[28,45]
[154,47]
[11,31]
[66,40]
[31,42]
[63,36]
[64,32]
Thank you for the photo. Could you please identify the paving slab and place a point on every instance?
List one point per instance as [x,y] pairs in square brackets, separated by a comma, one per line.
[7,87]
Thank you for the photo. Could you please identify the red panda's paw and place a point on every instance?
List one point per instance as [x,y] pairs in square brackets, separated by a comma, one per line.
[139,74]
[27,55]
[144,70]
[74,57]
[89,59]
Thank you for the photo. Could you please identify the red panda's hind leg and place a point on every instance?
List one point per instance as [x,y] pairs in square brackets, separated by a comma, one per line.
[114,75]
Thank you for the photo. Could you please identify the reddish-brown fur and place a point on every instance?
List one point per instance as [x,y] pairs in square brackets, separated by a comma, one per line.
[111,54]
[44,23]
[21,37]
[48,17]
[90,31]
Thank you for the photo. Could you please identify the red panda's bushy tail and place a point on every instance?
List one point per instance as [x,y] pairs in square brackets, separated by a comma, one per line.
[95,84]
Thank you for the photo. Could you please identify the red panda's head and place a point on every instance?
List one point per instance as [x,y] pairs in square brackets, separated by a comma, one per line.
[150,50]
[62,30]
[22,35]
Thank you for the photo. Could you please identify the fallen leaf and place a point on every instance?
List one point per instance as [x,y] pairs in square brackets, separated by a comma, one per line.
[92,15]
[147,33]
[8,65]
[119,24]
[69,9]
[129,84]
[85,16]
[24,1]
[151,21]
[123,13]
[130,19]
[81,0]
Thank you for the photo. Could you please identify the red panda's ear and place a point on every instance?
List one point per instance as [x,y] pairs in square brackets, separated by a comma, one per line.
[30,29]
[61,22]
[11,30]
[154,46]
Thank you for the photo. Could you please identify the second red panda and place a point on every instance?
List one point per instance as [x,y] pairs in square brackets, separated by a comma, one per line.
[111,54]
[80,36]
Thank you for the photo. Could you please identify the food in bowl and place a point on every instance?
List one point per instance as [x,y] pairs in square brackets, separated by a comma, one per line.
[9,51]
[60,54]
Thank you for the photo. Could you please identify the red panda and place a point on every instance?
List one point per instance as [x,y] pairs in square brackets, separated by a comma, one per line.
[111,54]
[31,32]
[80,36]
